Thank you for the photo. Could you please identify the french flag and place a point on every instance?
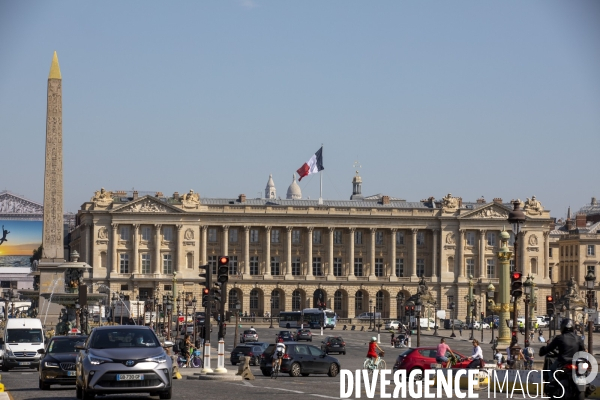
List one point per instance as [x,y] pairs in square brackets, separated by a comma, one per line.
[312,166]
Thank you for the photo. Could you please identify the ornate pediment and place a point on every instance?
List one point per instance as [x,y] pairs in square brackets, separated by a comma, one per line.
[146,204]
[489,211]
[18,206]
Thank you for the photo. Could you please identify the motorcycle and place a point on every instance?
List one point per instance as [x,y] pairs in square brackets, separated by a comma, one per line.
[569,380]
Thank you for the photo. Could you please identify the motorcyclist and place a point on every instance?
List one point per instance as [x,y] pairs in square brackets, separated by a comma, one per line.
[567,344]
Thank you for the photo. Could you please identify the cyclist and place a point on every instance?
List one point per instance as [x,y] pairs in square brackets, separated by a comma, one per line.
[187,346]
[372,354]
[278,355]
[442,348]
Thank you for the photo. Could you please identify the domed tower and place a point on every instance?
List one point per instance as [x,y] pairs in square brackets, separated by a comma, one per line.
[294,192]
[356,188]
[270,191]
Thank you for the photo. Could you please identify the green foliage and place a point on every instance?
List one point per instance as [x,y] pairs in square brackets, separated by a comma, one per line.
[37,255]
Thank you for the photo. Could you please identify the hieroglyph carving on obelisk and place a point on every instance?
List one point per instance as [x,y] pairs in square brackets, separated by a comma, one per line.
[52,239]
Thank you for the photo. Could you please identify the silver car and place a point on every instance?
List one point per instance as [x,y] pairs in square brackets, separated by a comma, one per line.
[123,359]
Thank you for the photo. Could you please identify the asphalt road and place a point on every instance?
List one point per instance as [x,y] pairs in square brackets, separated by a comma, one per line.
[23,383]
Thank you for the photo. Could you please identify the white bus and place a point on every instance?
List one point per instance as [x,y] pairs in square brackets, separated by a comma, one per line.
[290,319]
[315,317]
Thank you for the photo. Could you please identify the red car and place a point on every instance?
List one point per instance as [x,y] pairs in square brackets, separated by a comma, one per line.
[421,358]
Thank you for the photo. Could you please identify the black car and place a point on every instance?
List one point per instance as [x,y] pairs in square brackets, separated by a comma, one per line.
[303,334]
[57,365]
[264,345]
[246,350]
[300,360]
[285,335]
[333,344]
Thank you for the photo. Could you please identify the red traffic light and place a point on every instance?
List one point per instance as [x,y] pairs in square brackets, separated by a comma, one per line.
[514,333]
[549,299]
[516,275]
[205,291]
[223,260]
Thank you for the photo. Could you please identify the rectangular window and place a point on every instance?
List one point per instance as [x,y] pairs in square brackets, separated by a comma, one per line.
[233,265]
[511,239]
[420,238]
[254,265]
[146,263]
[491,238]
[550,252]
[470,238]
[146,233]
[167,233]
[212,263]
[316,237]
[591,250]
[379,267]
[592,269]
[550,272]
[358,236]
[212,235]
[420,267]
[123,263]
[253,235]
[275,235]
[124,232]
[167,264]
[337,303]
[449,301]
[167,288]
[125,287]
[512,264]
[337,266]
[358,267]
[379,238]
[491,268]
[470,267]
[275,266]
[233,236]
[296,266]
[400,238]
[337,237]
[296,236]
[399,267]
[317,271]
[561,251]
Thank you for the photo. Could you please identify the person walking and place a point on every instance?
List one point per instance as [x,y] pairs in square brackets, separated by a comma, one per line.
[460,329]
[392,338]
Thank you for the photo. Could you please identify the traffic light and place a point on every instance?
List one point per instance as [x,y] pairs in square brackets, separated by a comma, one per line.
[514,339]
[217,292]
[549,305]
[205,297]
[205,273]
[223,269]
[516,284]
[406,309]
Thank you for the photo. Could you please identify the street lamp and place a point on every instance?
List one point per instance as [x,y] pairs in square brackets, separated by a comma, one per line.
[371,313]
[527,289]
[77,312]
[516,217]
[271,314]
[169,314]
[453,316]
[113,303]
[194,303]
[138,309]
[237,306]
[435,327]
[490,295]
[178,301]
[418,309]
[590,282]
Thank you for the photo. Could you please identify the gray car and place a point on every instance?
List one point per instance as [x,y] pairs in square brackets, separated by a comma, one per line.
[123,359]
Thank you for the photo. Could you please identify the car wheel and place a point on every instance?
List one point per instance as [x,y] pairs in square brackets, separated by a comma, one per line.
[295,370]
[333,370]
[344,353]
[4,367]
[256,362]
[305,374]
[265,372]
[419,376]
[43,386]
[166,395]
[78,392]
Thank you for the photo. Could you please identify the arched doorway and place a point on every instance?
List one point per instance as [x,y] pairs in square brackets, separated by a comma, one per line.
[340,303]
[298,301]
[319,298]
[361,302]
[256,303]
[382,303]
[277,302]
[401,299]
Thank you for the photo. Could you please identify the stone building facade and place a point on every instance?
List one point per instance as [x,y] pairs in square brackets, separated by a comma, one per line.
[287,254]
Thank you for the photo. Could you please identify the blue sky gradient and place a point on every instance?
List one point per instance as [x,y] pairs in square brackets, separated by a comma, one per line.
[493,99]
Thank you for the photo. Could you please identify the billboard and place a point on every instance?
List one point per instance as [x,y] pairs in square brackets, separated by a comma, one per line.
[18,240]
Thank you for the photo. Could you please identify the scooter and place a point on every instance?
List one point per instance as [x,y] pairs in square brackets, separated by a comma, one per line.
[569,381]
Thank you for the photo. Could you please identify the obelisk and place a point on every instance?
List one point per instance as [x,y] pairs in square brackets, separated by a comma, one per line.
[52,236]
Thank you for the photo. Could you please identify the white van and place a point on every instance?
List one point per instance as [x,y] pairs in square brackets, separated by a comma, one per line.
[23,337]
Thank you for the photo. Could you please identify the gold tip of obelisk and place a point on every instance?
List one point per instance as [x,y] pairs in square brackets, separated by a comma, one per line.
[54,68]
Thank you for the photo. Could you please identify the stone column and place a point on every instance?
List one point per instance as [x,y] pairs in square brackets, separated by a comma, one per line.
[434,255]
[482,243]
[288,258]
[115,242]
[87,237]
[225,247]
[203,240]
[267,273]
[391,272]
[523,264]
[157,260]
[460,257]
[351,276]
[309,239]
[372,276]
[330,276]
[413,256]
[246,251]
[136,245]
[179,251]
[546,254]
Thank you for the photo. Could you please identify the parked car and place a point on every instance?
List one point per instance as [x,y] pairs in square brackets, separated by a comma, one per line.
[248,336]
[301,360]
[369,315]
[333,344]
[457,324]
[186,329]
[303,334]
[421,358]
[123,359]
[478,325]
[285,335]
[246,350]
[57,366]
[541,321]
[392,324]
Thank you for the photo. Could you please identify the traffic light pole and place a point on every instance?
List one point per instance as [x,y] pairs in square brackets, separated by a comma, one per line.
[207,316]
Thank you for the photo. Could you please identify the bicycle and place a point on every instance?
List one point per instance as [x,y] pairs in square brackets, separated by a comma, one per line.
[371,365]
[275,371]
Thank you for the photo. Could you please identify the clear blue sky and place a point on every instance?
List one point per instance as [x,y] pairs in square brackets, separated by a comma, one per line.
[476,98]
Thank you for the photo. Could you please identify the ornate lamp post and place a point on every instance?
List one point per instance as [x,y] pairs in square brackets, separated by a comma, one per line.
[178,301]
[516,217]
[194,303]
[237,323]
[590,282]
[271,314]
[371,313]
[164,310]
[490,296]
[527,289]
[418,309]
[453,316]
[113,303]
[470,305]
[138,309]
[77,312]
[169,314]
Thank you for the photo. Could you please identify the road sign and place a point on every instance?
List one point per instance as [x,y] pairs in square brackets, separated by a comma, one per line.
[589,310]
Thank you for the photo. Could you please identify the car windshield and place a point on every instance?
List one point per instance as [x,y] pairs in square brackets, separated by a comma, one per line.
[24,335]
[249,333]
[115,338]
[335,339]
[64,345]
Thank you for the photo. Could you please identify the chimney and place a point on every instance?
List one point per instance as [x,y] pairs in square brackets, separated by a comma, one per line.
[159,194]
[570,225]
[135,195]
[580,221]
[594,202]
[459,202]
[385,200]
[481,201]
[120,193]
[176,196]
[242,198]
[498,200]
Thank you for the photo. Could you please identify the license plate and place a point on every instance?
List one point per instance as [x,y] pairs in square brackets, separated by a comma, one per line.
[130,377]
[71,373]
[336,345]
[24,363]
[580,380]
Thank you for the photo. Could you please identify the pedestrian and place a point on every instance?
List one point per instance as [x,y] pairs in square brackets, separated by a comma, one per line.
[152,325]
[541,338]
[528,354]
[392,338]
[460,329]
[499,359]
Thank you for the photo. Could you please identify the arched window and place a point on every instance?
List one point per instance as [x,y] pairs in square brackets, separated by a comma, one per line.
[296,300]
[254,299]
[358,301]
[233,299]
[275,299]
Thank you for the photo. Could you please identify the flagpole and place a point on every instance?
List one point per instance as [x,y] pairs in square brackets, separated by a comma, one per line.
[321,186]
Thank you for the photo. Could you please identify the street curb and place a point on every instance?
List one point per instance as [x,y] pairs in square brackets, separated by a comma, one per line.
[5,396]
[214,377]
